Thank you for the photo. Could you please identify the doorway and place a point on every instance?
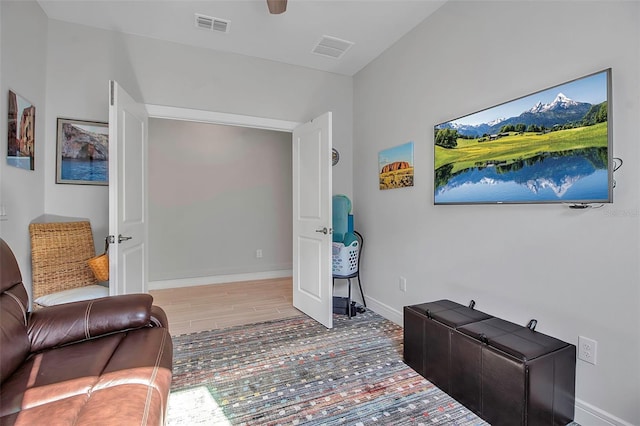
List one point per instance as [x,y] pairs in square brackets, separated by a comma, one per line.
[220,203]
[312,289]
[200,277]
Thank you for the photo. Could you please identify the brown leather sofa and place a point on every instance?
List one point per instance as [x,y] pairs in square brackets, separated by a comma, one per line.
[101,362]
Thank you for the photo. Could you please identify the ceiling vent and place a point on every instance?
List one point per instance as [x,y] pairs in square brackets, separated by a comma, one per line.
[212,24]
[332,47]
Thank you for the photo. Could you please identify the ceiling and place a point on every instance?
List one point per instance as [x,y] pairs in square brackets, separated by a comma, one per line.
[372,25]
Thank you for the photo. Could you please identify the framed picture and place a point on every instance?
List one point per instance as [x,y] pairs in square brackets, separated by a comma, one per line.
[82,152]
[21,134]
[395,166]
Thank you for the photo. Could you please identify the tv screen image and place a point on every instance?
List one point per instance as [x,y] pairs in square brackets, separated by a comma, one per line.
[552,146]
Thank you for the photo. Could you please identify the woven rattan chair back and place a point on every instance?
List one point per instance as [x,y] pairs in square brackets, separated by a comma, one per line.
[59,254]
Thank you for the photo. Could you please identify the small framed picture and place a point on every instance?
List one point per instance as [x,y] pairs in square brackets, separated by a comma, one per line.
[21,136]
[82,152]
[395,166]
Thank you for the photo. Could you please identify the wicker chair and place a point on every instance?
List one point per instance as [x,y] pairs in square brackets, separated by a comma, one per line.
[59,254]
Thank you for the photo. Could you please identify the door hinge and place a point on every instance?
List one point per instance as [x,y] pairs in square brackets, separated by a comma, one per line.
[111,95]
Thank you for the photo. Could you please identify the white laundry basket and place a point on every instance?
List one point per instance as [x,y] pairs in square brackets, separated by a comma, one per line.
[345,258]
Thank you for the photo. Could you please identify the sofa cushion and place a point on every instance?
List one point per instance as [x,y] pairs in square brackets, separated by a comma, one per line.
[73,295]
[11,275]
[125,404]
[57,374]
[102,371]
[13,314]
[13,338]
[135,384]
[61,412]
[140,366]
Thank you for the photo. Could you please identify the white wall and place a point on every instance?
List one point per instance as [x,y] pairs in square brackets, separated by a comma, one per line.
[23,70]
[575,271]
[64,69]
[216,195]
[81,60]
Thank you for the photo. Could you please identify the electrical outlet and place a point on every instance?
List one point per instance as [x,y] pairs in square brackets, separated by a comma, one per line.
[587,350]
[402,284]
[259,254]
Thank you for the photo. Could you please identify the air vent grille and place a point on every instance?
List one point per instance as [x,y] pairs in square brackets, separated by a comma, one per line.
[332,47]
[220,25]
[212,24]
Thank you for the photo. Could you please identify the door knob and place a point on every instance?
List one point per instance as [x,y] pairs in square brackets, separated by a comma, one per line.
[324,230]
[122,238]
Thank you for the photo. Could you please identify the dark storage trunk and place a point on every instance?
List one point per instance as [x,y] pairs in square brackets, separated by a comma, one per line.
[433,360]
[505,373]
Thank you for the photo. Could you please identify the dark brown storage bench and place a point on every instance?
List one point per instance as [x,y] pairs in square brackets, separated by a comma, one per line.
[506,373]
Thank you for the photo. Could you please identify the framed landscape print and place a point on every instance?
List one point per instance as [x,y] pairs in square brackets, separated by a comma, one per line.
[395,166]
[82,152]
[21,132]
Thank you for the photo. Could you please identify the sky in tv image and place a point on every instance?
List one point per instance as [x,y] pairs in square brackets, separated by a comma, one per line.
[591,90]
[550,146]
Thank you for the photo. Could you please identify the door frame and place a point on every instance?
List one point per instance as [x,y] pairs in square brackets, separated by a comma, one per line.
[187,114]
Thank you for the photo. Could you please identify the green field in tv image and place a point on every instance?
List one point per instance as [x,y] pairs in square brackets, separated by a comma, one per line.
[551,146]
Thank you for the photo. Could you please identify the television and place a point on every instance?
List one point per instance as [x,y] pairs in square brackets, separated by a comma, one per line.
[552,146]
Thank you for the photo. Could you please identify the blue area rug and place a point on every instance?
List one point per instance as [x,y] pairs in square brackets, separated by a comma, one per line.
[296,372]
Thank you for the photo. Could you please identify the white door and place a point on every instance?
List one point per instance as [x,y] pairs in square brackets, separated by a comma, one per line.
[128,123]
[312,280]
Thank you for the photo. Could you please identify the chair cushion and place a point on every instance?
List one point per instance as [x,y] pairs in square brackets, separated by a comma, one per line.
[73,295]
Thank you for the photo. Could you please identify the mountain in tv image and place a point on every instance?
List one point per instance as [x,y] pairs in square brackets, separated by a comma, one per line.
[560,112]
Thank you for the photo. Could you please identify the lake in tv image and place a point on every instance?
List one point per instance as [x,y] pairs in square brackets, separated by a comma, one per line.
[551,146]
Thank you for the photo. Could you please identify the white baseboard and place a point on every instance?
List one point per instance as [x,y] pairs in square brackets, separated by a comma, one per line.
[589,415]
[218,279]
[385,310]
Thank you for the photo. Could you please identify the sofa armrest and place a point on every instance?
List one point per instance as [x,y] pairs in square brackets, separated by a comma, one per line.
[158,317]
[73,322]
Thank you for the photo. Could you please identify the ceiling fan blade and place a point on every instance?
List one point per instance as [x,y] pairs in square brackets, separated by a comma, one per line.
[277,7]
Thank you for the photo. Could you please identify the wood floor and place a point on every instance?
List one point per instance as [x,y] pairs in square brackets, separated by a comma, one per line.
[209,307]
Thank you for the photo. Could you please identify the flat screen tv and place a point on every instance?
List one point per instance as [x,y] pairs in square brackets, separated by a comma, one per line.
[552,146]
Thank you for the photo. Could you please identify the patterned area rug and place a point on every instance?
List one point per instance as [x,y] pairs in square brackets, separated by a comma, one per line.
[296,372]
